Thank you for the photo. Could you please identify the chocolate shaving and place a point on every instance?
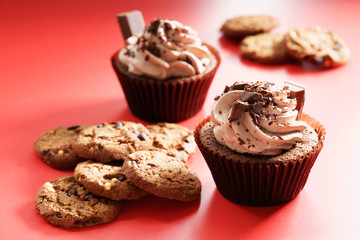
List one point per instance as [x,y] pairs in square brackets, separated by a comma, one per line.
[255,98]
[257,107]
[240,86]
[151,48]
[237,109]
[167,27]
[255,117]
[188,60]
[241,141]
[153,27]
[129,53]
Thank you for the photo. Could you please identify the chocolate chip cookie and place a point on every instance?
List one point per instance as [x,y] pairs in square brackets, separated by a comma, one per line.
[173,139]
[242,26]
[162,175]
[54,147]
[267,48]
[107,180]
[65,203]
[318,46]
[112,141]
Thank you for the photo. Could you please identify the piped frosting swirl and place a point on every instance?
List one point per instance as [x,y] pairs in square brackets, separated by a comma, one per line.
[256,118]
[166,48]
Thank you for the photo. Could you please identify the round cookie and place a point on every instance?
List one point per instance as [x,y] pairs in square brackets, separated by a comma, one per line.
[242,26]
[317,46]
[162,175]
[268,48]
[65,203]
[112,141]
[107,180]
[173,139]
[54,147]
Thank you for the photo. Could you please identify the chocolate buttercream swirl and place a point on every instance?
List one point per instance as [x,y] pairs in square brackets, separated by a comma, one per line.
[256,118]
[166,48]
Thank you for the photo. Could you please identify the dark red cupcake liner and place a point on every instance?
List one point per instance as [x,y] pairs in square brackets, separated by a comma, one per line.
[171,100]
[264,184]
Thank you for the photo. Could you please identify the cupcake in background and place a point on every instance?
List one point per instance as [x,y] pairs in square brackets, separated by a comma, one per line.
[257,151]
[165,71]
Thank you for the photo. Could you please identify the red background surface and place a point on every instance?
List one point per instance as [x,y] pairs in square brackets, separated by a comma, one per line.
[55,70]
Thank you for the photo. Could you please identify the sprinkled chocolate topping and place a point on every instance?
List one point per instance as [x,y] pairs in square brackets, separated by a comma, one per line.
[262,98]
[164,46]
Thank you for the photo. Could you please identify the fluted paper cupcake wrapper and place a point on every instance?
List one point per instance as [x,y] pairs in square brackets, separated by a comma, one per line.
[262,184]
[165,100]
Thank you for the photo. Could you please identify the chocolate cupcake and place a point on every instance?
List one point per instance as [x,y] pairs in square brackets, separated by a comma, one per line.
[165,71]
[257,151]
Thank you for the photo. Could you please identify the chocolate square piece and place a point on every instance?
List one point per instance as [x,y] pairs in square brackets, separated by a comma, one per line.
[298,92]
[131,23]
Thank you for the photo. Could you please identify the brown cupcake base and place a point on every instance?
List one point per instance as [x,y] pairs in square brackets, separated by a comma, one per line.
[262,183]
[170,100]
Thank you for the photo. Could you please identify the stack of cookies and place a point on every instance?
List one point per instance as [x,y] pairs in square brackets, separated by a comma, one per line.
[113,162]
[317,45]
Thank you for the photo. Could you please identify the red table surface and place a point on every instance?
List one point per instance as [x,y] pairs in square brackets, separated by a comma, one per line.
[55,70]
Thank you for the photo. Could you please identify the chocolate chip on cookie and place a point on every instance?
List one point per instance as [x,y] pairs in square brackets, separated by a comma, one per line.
[173,139]
[65,203]
[54,147]
[162,175]
[107,180]
[112,141]
[267,48]
[242,26]
[317,46]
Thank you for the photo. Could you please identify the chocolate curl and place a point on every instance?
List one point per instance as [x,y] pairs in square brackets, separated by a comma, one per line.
[298,92]
[131,23]
[237,109]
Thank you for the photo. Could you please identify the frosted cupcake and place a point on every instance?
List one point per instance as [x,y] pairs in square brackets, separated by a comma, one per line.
[257,151]
[165,71]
